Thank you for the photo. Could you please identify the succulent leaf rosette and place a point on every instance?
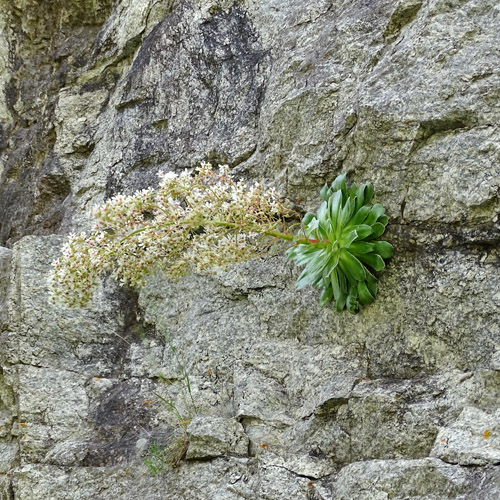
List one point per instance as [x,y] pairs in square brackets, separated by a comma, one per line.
[338,246]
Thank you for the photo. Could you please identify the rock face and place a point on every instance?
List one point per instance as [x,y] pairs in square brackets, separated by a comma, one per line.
[276,397]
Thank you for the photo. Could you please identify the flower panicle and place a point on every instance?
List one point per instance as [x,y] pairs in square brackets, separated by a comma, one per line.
[204,218]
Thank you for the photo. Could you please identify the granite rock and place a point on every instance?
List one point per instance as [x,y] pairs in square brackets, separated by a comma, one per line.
[473,439]
[427,479]
[215,437]
[5,260]
[289,400]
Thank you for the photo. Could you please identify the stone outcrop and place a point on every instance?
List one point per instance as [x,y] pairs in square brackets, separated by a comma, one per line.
[276,397]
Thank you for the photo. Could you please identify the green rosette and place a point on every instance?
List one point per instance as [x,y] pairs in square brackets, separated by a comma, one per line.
[339,248]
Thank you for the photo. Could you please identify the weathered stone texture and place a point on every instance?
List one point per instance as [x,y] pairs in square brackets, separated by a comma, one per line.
[5,258]
[216,437]
[278,398]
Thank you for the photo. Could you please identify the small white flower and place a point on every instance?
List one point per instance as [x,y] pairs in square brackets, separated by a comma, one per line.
[169,175]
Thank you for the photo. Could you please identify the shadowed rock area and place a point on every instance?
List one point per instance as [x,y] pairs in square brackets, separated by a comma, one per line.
[235,385]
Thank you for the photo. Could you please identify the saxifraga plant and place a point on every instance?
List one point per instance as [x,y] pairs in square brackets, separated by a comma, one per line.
[208,219]
[340,245]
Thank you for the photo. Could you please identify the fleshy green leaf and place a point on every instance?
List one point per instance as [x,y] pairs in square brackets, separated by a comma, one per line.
[318,261]
[373,260]
[334,280]
[324,193]
[303,258]
[312,226]
[352,300]
[360,197]
[318,281]
[352,191]
[368,194]
[384,249]
[322,212]
[291,252]
[340,302]
[360,215]
[326,296]
[370,278]
[361,247]
[304,280]
[378,230]
[365,297]
[339,183]
[371,283]
[332,263]
[308,218]
[363,231]
[372,287]
[346,240]
[335,208]
[376,211]
[298,252]
[347,212]
[352,265]
[344,230]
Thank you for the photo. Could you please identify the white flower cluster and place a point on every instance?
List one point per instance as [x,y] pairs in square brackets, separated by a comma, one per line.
[206,219]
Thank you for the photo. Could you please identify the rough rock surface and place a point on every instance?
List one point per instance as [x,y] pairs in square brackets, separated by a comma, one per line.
[216,437]
[292,401]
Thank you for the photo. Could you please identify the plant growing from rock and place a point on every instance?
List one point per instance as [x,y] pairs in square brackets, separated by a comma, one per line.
[209,219]
[156,459]
[338,245]
[161,458]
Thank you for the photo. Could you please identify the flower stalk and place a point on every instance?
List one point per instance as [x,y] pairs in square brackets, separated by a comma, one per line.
[203,220]
[209,219]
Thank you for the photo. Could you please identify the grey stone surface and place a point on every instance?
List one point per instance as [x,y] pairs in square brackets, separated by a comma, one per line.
[215,437]
[8,454]
[5,260]
[42,50]
[428,479]
[473,439]
[289,400]
[9,447]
